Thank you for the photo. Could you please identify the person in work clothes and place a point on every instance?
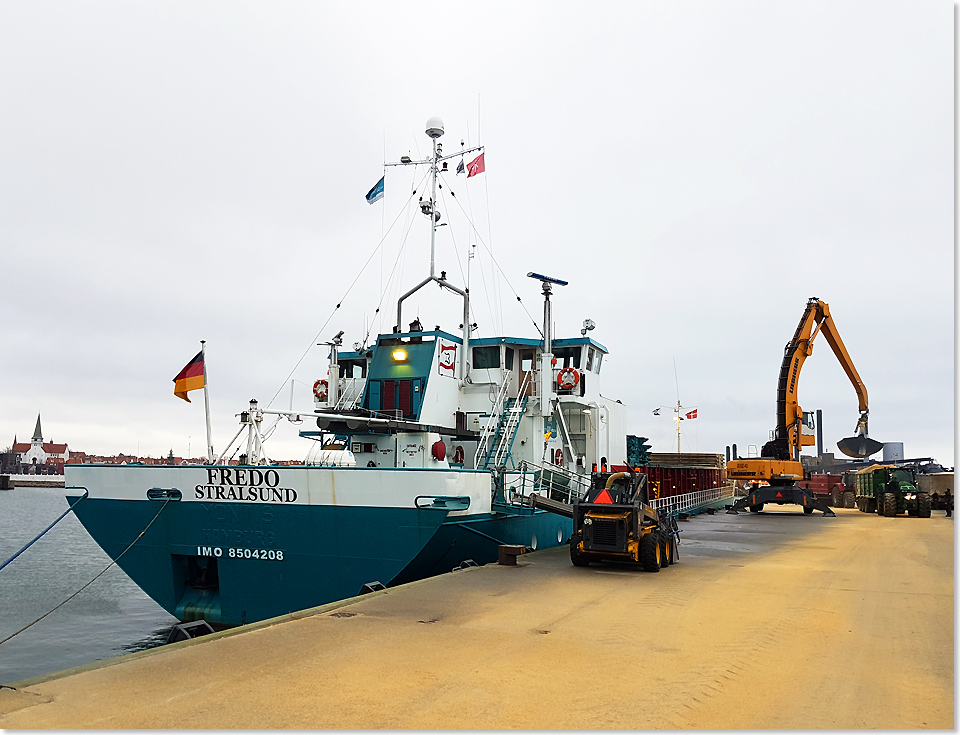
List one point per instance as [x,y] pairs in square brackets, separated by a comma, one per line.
[948,503]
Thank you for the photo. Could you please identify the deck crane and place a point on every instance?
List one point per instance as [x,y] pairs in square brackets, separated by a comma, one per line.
[779,462]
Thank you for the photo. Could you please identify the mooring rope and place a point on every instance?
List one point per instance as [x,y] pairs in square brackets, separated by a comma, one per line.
[41,534]
[139,536]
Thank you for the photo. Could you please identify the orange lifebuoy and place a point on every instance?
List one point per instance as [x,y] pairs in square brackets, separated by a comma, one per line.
[568,378]
[558,457]
[458,455]
[320,390]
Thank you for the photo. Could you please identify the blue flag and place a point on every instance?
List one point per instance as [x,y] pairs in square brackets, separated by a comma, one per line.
[376,193]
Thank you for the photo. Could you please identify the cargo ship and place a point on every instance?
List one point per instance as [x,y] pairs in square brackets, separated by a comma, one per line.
[424,445]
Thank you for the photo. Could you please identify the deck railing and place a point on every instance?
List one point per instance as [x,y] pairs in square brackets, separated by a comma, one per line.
[548,480]
[691,501]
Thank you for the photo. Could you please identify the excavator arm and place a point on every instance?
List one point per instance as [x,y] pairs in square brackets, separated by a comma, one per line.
[789,438]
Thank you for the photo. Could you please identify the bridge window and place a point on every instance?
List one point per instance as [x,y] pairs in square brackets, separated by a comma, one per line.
[486,357]
[567,356]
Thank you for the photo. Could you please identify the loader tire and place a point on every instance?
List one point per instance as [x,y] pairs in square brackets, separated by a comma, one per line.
[923,505]
[650,553]
[576,558]
[756,508]
[807,509]
[889,505]
[664,552]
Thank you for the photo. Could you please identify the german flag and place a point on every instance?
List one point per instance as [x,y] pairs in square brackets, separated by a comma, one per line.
[190,378]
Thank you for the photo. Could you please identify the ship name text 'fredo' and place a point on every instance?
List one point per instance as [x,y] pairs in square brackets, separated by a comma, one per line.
[252,485]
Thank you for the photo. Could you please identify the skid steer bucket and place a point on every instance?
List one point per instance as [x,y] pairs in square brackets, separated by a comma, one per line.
[859,446]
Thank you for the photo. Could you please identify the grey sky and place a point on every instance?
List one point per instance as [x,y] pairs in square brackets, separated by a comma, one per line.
[178,171]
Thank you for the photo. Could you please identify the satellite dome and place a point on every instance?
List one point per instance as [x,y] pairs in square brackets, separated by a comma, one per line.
[434,127]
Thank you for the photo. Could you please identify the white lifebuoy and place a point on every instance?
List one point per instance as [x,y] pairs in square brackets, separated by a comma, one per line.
[568,378]
[320,390]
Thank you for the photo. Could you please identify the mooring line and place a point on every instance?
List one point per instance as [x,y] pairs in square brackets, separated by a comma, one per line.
[37,538]
[139,536]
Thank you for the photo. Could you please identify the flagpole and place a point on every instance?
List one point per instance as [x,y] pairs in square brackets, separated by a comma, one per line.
[678,422]
[206,401]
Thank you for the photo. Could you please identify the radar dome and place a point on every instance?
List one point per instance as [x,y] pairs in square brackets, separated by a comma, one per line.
[434,127]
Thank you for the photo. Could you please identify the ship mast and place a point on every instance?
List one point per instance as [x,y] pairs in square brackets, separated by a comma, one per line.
[434,130]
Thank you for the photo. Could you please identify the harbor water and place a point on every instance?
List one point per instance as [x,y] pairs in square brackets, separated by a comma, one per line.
[109,618]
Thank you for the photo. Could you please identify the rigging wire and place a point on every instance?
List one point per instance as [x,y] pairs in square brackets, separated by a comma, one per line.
[139,536]
[339,303]
[392,288]
[390,280]
[44,531]
[502,273]
[496,291]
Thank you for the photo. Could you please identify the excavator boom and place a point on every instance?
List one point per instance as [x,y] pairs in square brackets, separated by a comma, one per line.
[789,437]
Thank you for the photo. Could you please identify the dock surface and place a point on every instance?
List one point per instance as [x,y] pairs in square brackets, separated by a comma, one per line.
[775,620]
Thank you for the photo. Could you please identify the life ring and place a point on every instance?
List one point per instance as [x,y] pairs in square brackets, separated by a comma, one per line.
[568,378]
[458,455]
[320,390]
[558,457]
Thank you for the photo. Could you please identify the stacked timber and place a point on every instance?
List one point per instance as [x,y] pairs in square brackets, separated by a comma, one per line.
[687,459]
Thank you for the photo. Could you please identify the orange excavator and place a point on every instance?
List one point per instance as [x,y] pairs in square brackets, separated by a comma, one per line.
[773,477]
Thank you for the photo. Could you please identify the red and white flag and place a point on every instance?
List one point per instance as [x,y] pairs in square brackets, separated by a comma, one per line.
[475,166]
[692,414]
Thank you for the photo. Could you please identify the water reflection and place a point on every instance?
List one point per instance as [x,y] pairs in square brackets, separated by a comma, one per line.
[109,618]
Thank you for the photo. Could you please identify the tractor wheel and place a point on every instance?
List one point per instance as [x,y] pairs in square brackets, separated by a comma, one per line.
[923,505]
[807,510]
[756,508]
[836,496]
[878,505]
[889,505]
[849,499]
[860,504]
[664,551]
[578,559]
[650,553]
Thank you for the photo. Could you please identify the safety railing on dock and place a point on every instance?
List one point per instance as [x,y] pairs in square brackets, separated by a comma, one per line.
[692,501]
[547,480]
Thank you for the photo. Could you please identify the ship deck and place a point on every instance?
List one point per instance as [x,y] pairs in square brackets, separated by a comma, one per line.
[776,620]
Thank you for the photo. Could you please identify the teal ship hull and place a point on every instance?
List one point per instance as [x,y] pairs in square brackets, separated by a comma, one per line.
[237,563]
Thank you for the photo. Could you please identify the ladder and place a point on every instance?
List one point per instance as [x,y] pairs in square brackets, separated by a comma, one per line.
[499,452]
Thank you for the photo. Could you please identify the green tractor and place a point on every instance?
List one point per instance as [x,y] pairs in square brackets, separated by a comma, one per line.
[888,490]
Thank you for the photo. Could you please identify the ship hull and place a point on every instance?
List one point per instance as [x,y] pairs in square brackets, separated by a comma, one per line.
[233,553]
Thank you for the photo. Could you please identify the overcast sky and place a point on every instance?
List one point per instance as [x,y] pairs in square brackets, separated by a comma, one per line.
[178,171]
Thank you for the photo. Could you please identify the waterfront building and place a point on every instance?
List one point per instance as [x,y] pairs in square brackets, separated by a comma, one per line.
[39,453]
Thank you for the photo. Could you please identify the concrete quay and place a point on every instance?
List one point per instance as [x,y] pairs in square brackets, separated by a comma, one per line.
[771,620]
